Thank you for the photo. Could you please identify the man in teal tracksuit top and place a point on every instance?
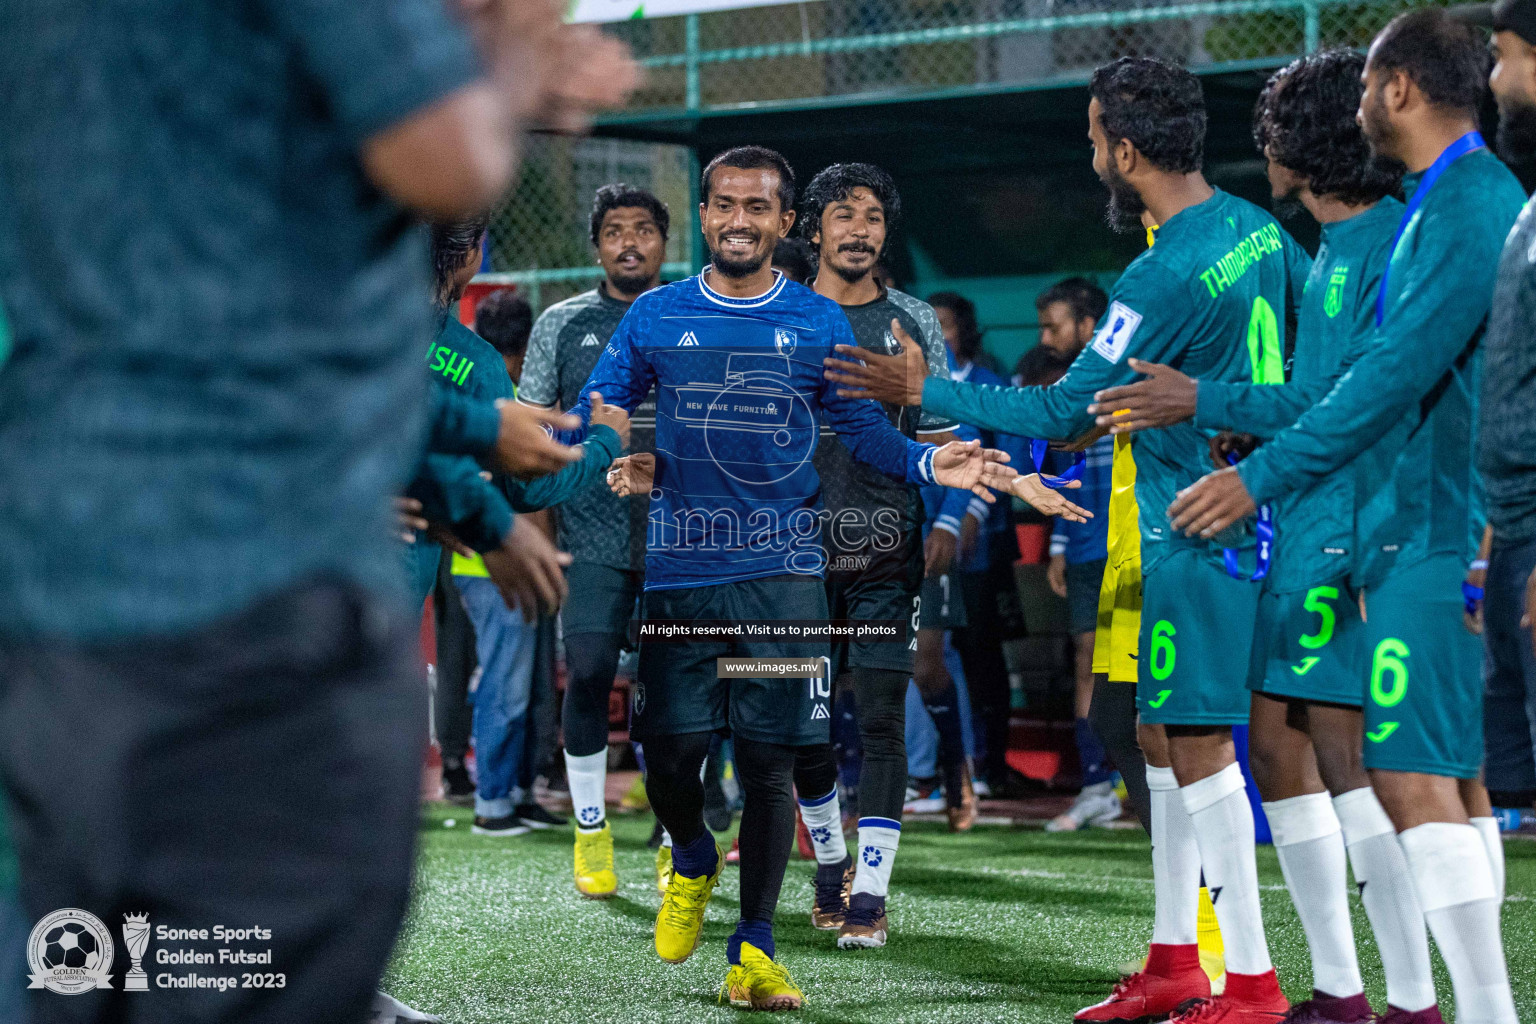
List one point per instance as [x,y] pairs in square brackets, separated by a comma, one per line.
[1307,666]
[450,486]
[1222,271]
[1405,414]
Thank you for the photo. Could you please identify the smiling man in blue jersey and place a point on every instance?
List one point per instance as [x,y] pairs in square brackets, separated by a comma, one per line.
[1308,663]
[1405,415]
[1220,272]
[734,534]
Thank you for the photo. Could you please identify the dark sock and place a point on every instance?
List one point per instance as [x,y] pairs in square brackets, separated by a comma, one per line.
[1113,717]
[756,931]
[767,834]
[829,874]
[1090,754]
[696,859]
[882,700]
[865,905]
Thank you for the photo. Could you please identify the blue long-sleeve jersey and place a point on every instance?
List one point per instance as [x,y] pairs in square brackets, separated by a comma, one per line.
[739,397]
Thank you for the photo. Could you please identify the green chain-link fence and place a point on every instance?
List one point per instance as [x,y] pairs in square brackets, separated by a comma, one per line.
[807,52]
[828,48]
[539,239]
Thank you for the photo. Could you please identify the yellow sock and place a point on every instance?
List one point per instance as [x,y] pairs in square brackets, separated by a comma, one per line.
[1208,933]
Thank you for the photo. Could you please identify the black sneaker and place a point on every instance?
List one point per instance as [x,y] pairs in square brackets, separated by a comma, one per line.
[510,825]
[535,816]
[457,789]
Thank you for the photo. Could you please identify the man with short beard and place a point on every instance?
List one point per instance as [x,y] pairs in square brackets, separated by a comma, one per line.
[605,534]
[735,355]
[1308,665]
[874,549]
[1506,441]
[1221,272]
[1406,414]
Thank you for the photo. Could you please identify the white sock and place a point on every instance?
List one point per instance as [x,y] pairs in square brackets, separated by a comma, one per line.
[824,821]
[878,838]
[1455,886]
[1310,845]
[1218,807]
[1488,828]
[1175,863]
[666,839]
[1391,905]
[588,778]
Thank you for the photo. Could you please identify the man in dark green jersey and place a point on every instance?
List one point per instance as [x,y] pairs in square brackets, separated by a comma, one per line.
[1405,414]
[873,544]
[1221,272]
[1306,670]
[604,533]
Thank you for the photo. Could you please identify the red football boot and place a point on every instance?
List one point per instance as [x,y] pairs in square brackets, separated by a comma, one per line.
[1248,999]
[1172,977]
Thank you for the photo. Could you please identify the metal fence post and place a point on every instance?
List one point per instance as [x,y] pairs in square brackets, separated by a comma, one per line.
[691,68]
[1313,31]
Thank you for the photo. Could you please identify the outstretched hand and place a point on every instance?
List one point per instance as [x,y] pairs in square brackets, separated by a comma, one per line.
[528,570]
[896,379]
[1164,397]
[632,474]
[1049,500]
[967,466]
[524,447]
[1211,504]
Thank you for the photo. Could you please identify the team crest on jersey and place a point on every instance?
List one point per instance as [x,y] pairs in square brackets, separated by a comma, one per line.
[590,341]
[892,346]
[1333,302]
[1119,326]
[688,338]
[784,341]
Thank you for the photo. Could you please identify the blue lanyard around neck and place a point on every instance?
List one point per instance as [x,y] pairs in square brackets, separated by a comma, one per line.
[1455,151]
[1037,450]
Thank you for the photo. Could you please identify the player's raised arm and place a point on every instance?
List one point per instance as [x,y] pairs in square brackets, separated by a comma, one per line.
[623,376]
[1422,337]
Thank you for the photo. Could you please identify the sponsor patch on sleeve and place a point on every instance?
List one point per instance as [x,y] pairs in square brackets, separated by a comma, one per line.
[1115,331]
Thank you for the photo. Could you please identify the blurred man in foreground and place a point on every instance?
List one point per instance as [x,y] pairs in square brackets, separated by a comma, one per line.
[215,389]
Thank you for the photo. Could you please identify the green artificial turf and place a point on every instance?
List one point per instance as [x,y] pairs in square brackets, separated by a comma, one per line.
[996,925]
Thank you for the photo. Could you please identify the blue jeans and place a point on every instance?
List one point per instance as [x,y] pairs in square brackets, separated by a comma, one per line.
[505,645]
[922,737]
[1509,671]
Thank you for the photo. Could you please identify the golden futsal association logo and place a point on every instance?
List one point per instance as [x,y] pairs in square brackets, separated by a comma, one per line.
[70,952]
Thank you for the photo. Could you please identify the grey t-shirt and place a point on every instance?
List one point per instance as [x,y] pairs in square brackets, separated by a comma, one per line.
[562,351]
[853,489]
[1506,430]
[216,382]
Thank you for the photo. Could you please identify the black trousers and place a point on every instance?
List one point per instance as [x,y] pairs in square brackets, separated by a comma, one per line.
[260,773]
[455,664]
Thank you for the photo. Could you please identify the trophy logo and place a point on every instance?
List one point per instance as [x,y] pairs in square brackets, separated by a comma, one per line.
[136,939]
[70,952]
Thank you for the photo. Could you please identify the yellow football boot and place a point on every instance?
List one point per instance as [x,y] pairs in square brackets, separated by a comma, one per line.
[681,920]
[1212,951]
[634,799]
[663,867]
[594,864]
[758,983]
